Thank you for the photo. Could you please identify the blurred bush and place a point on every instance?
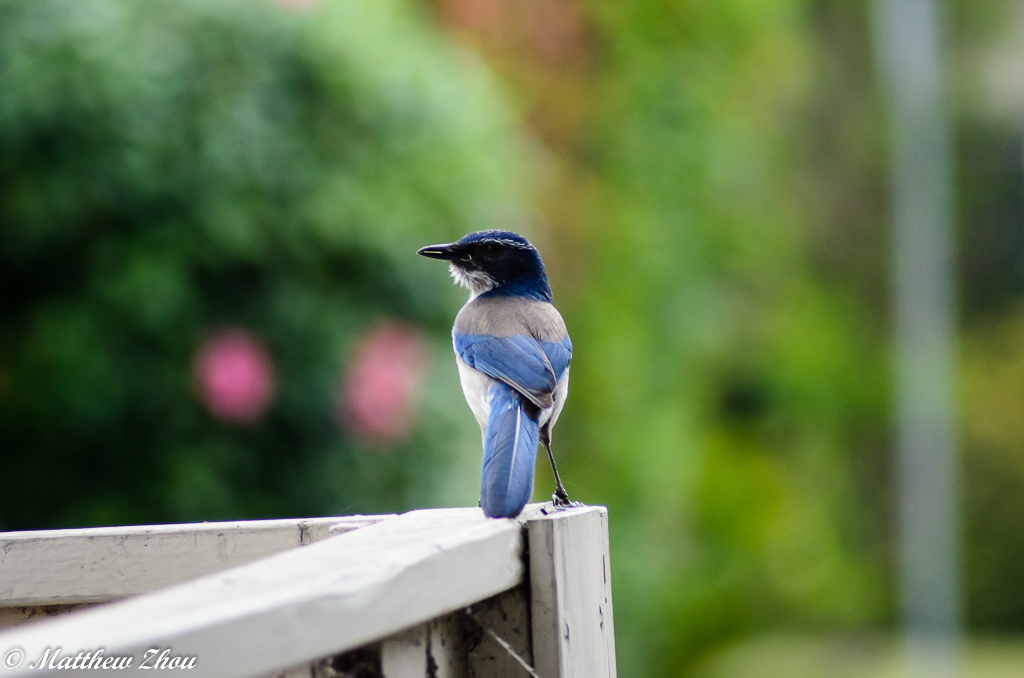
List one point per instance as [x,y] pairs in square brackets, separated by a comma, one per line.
[246,182]
[750,392]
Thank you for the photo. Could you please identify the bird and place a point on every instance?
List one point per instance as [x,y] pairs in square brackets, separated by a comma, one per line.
[513,352]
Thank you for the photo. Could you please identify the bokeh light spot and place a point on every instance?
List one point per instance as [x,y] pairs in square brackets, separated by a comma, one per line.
[234,376]
[377,398]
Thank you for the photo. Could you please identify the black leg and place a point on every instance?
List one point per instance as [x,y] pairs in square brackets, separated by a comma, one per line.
[560,497]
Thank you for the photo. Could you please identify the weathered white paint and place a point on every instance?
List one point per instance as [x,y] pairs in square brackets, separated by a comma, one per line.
[447,647]
[437,649]
[571,595]
[404,655]
[55,567]
[13,616]
[303,604]
[508,617]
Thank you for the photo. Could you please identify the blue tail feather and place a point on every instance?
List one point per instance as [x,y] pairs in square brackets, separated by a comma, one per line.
[510,451]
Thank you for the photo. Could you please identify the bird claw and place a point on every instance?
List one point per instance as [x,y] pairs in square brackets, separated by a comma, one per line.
[561,502]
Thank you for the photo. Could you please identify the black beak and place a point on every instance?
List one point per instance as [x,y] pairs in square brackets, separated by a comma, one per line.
[443,252]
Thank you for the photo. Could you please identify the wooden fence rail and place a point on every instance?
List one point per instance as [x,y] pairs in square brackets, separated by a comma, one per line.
[436,593]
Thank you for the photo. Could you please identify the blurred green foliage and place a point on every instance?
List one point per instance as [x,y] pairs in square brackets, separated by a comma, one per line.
[713,191]
[173,167]
[719,238]
[728,386]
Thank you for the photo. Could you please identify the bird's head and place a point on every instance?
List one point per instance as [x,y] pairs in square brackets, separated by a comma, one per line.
[495,263]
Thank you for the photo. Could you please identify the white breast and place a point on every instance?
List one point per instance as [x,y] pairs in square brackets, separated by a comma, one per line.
[474,386]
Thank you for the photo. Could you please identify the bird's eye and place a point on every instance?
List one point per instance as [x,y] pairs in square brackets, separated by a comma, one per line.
[490,248]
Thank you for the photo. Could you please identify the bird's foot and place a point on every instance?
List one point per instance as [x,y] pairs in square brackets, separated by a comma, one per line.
[560,501]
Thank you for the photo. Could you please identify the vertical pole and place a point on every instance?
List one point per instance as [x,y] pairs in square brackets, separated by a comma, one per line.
[909,47]
[571,594]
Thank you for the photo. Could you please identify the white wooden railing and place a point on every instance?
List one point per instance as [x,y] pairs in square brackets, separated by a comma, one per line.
[442,593]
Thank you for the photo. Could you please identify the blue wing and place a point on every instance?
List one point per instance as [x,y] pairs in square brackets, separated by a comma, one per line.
[559,354]
[521,362]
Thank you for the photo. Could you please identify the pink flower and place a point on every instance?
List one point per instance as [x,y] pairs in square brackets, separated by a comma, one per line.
[377,398]
[234,376]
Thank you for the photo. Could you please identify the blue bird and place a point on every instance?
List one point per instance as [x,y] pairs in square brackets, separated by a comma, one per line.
[513,353]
